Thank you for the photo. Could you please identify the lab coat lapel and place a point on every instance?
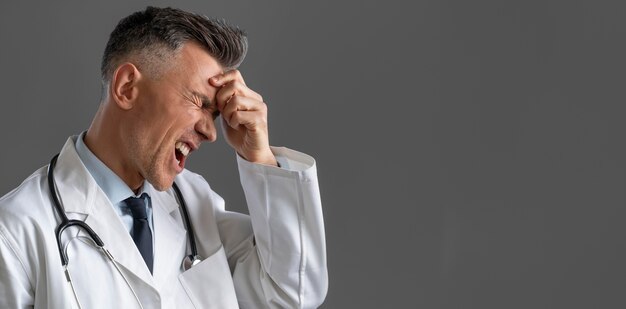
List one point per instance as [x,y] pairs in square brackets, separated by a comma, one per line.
[108,225]
[169,236]
[80,195]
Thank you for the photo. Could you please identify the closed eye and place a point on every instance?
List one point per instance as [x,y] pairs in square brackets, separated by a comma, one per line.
[206,103]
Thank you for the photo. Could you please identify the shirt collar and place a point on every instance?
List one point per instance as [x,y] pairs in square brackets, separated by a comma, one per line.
[111,184]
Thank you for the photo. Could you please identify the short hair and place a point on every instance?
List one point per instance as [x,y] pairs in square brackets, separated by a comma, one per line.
[156,34]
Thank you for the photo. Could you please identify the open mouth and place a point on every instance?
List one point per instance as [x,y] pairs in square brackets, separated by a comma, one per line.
[181,152]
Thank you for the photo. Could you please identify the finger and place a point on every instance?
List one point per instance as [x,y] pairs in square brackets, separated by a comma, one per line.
[235,88]
[226,77]
[239,104]
[251,120]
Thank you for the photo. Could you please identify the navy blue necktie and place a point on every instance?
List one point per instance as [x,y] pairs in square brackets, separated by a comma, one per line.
[141,230]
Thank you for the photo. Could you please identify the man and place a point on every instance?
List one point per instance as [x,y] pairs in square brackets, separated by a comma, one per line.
[167,76]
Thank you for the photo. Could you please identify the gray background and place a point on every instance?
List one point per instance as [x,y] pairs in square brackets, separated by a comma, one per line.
[470,152]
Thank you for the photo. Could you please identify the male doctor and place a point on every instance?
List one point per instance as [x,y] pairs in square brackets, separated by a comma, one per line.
[167,76]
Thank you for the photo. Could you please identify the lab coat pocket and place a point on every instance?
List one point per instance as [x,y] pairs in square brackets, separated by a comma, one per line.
[209,284]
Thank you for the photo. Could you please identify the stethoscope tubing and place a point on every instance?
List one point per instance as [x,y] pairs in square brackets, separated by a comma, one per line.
[66,223]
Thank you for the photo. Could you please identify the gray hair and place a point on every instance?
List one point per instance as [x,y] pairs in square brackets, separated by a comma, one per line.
[154,36]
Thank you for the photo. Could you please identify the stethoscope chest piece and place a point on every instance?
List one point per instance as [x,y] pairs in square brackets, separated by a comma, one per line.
[190,261]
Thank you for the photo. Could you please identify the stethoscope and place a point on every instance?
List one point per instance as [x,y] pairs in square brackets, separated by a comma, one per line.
[189,260]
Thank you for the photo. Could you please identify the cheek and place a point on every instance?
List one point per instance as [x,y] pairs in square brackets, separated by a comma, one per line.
[165,119]
[187,117]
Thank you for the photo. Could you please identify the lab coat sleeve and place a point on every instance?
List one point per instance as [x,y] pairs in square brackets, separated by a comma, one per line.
[285,266]
[15,286]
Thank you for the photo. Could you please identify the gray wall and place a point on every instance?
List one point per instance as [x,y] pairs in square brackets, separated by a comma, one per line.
[470,153]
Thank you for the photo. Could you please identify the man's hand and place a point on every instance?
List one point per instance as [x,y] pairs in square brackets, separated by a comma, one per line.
[244,118]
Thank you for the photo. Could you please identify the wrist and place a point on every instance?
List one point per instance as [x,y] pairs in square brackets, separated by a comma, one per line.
[266,158]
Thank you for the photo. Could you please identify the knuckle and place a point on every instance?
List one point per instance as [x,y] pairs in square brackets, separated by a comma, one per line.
[235,73]
[238,85]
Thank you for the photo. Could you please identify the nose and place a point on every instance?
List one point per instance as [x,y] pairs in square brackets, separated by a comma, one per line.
[205,127]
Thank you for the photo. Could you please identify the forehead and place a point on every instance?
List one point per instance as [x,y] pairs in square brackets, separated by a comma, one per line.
[194,66]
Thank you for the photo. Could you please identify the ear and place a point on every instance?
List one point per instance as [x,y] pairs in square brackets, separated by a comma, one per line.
[124,82]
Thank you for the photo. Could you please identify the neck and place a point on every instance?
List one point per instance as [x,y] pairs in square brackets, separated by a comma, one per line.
[105,140]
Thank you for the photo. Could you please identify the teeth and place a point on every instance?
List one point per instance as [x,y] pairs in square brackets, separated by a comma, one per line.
[183,148]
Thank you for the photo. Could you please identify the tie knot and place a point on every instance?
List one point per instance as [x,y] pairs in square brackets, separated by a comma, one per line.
[137,206]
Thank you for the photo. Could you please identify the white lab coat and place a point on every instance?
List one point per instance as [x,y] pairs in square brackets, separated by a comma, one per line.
[285,269]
